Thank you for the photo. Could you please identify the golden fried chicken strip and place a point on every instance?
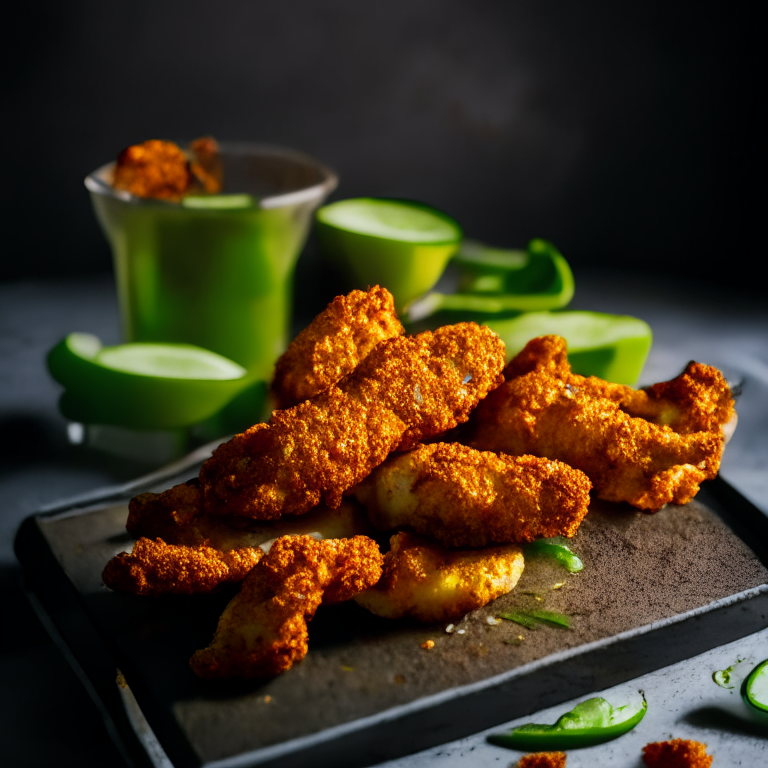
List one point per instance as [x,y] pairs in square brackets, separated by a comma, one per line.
[155,568]
[677,753]
[263,630]
[545,410]
[431,583]
[334,343]
[407,389]
[432,381]
[468,498]
[698,400]
[176,516]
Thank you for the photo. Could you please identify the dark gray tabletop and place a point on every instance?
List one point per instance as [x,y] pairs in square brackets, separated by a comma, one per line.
[47,717]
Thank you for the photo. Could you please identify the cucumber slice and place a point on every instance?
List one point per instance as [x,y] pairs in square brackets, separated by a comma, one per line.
[401,245]
[144,385]
[754,689]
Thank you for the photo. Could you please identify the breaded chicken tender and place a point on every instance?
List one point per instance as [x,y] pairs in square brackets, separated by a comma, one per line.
[430,583]
[406,390]
[176,516]
[263,630]
[545,410]
[677,753]
[333,344]
[543,760]
[468,498]
[155,568]
[162,170]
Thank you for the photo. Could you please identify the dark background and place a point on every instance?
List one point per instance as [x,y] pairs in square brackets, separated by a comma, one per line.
[625,132]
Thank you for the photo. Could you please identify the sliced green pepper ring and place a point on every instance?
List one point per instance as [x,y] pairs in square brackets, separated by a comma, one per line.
[494,281]
[754,689]
[613,347]
[142,385]
[592,722]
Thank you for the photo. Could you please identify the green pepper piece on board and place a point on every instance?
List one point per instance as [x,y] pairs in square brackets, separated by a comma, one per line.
[613,347]
[557,550]
[494,281]
[142,385]
[591,722]
[754,689]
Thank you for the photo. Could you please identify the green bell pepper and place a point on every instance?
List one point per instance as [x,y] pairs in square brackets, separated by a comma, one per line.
[143,385]
[592,722]
[494,281]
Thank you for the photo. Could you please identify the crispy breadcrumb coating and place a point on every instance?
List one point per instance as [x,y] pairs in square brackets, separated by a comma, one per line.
[334,343]
[545,410]
[431,583]
[543,760]
[175,516]
[406,390]
[155,568]
[263,630]
[162,170]
[468,498]
[678,753]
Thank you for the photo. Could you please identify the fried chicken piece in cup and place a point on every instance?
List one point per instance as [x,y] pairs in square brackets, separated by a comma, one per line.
[545,410]
[428,582]
[333,344]
[263,630]
[406,390]
[468,498]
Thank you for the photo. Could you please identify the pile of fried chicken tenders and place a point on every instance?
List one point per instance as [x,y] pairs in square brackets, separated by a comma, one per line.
[365,438]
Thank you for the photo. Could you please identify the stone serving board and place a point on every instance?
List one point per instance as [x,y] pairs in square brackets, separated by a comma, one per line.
[654,589]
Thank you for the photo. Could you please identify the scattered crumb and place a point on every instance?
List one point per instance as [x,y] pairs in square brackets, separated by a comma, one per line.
[492,620]
[678,753]
[543,760]
[399,679]
[559,585]
[267,699]
[346,668]
[461,631]
[450,629]
[428,645]
[120,680]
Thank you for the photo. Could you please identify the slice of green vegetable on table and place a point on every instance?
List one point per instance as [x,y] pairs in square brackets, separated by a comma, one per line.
[754,689]
[401,245]
[495,281]
[142,385]
[592,722]
[532,619]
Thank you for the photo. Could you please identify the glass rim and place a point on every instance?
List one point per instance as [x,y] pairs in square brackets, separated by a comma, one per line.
[97,181]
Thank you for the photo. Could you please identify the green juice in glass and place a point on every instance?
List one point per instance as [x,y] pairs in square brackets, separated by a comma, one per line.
[215,274]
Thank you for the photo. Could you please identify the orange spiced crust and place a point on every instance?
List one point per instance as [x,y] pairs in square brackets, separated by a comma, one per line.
[163,171]
[678,753]
[333,344]
[155,568]
[543,760]
[625,441]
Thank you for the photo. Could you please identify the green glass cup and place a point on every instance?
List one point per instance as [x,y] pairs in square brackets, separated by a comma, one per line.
[215,271]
